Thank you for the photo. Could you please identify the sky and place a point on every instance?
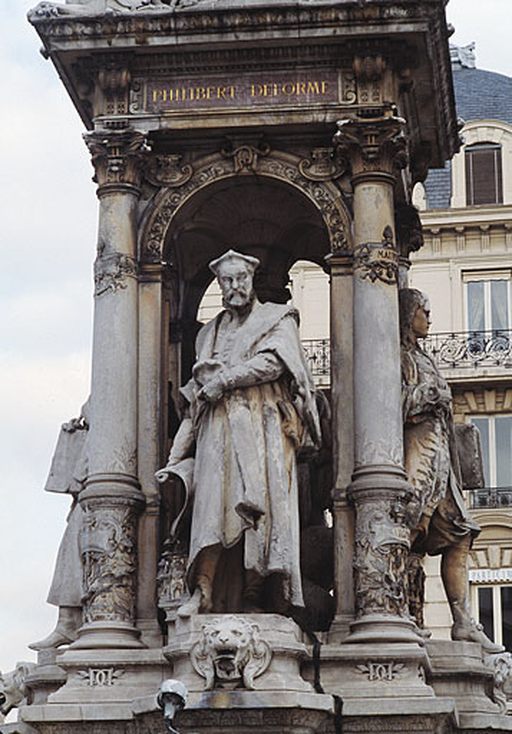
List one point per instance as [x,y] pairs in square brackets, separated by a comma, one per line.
[47,244]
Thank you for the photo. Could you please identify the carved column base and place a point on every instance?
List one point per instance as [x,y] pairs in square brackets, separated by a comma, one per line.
[383,628]
[108,548]
[380,494]
[107,635]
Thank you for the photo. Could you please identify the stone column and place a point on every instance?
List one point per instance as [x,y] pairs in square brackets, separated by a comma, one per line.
[376,149]
[150,429]
[112,498]
[341,287]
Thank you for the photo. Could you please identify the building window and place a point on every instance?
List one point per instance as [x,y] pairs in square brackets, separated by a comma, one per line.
[484,178]
[488,302]
[494,612]
[496,438]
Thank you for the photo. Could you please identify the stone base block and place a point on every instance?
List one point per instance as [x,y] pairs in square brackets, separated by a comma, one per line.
[478,723]
[458,672]
[399,716]
[109,676]
[46,678]
[261,652]
[364,671]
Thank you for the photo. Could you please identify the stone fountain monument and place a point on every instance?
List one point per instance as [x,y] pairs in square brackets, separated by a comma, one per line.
[231,138]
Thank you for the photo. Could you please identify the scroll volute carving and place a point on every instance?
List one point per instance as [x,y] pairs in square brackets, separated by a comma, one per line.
[112,89]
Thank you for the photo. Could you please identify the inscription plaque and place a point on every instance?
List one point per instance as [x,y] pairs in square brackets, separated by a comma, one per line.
[287,88]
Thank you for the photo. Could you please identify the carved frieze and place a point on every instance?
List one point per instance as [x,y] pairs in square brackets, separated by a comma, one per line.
[171,577]
[381,551]
[284,167]
[377,260]
[230,653]
[108,550]
[112,271]
[118,156]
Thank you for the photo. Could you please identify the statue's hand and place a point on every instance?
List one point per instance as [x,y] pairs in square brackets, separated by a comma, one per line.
[213,390]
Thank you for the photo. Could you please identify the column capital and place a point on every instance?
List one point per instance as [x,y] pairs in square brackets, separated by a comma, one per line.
[118,157]
[373,145]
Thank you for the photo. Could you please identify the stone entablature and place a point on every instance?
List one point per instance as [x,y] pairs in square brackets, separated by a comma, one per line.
[119,60]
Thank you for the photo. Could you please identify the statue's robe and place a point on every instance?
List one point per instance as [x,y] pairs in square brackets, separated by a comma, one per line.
[245,474]
[431,458]
[68,472]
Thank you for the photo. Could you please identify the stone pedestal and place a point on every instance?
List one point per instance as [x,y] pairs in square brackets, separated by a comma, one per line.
[269,645]
[366,671]
[459,672]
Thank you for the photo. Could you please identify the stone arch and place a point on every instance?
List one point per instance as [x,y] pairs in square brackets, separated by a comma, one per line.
[289,169]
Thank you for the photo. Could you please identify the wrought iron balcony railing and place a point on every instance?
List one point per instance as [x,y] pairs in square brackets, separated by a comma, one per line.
[450,350]
[470,349]
[318,355]
[490,497]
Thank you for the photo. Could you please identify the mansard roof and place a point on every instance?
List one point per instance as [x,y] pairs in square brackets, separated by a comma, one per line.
[479,95]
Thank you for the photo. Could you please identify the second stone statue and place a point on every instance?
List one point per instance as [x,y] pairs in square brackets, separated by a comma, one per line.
[250,407]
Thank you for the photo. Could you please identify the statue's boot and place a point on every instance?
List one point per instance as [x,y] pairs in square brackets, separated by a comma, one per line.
[252,598]
[192,606]
[65,632]
[465,629]
[201,599]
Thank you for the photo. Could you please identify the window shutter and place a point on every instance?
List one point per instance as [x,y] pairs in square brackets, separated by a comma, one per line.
[484,184]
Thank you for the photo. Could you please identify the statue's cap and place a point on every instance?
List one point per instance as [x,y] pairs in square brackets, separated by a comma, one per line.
[251,262]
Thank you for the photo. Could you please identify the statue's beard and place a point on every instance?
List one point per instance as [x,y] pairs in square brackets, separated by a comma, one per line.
[241,309]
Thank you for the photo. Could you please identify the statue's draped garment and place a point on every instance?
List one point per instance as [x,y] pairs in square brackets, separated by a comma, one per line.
[245,465]
[431,458]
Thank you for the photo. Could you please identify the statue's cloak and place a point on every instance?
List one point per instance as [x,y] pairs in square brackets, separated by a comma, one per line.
[245,476]
[431,457]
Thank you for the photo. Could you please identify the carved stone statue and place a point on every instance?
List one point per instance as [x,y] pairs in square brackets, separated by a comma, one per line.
[251,405]
[440,522]
[47,9]
[67,475]
[13,692]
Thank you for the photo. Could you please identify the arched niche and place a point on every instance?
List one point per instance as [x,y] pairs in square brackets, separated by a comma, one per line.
[269,209]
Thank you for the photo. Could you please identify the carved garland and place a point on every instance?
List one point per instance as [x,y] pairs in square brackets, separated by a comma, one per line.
[284,167]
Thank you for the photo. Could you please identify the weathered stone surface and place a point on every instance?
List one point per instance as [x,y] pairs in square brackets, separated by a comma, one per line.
[262,652]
